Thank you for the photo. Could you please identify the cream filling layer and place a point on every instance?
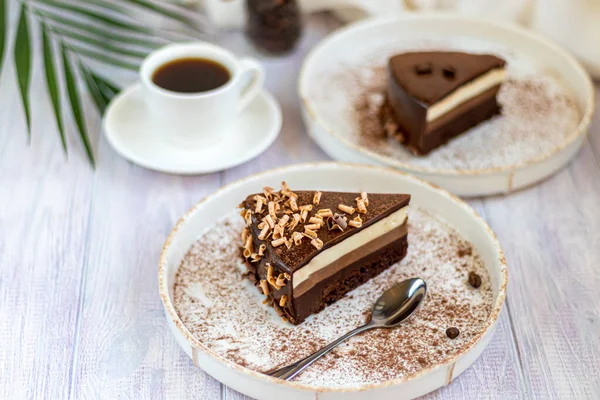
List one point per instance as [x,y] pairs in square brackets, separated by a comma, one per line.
[355,241]
[465,93]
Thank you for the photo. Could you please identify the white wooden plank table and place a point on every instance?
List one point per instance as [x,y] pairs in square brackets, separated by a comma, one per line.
[80,315]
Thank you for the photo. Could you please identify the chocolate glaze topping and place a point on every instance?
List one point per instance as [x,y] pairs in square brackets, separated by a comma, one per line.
[380,206]
[431,76]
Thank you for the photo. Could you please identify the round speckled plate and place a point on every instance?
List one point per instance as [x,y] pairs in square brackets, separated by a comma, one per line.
[539,132]
[327,176]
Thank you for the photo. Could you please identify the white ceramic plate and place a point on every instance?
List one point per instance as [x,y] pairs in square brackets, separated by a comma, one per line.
[329,129]
[343,177]
[131,132]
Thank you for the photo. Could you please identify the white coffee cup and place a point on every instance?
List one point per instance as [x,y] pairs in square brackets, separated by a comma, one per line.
[203,118]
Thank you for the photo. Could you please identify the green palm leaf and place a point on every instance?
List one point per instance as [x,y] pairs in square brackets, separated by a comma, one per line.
[96,16]
[102,57]
[51,82]
[3,29]
[22,56]
[107,89]
[93,88]
[74,100]
[165,12]
[100,44]
[151,42]
[109,85]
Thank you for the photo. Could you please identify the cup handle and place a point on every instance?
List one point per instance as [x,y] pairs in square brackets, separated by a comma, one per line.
[253,79]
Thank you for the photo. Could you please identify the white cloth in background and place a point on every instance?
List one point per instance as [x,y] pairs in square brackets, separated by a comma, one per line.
[575,24]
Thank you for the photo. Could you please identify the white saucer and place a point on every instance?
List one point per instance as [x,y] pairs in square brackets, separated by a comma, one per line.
[131,132]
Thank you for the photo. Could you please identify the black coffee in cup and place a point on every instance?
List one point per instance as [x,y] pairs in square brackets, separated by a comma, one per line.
[191,75]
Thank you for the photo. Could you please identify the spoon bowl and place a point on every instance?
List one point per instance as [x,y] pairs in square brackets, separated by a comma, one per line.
[398,303]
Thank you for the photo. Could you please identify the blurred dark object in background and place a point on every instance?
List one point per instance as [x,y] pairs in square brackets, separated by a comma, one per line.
[274,26]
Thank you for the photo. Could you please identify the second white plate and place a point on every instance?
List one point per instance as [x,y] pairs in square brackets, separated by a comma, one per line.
[331,129]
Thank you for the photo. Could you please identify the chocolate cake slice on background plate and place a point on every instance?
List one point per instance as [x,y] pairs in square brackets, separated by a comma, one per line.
[306,249]
[435,96]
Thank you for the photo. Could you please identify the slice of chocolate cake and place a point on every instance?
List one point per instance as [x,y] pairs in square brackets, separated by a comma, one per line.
[435,96]
[307,249]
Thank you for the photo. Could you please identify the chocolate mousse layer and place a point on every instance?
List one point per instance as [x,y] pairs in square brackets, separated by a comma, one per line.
[306,249]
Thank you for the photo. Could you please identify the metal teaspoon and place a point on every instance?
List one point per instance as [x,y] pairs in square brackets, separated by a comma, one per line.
[392,308]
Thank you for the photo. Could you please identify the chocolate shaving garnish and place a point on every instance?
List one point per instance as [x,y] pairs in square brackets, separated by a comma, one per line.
[261,250]
[325,212]
[297,237]
[278,242]
[280,280]
[294,222]
[268,192]
[361,206]
[356,222]
[270,278]
[340,221]
[310,233]
[278,232]
[264,286]
[248,217]
[317,198]
[303,215]
[283,301]
[288,243]
[316,220]
[272,210]
[269,221]
[264,232]
[283,221]
[313,227]
[346,209]
[248,247]
[318,243]
[260,202]
[245,234]
[293,204]
[287,276]
[363,196]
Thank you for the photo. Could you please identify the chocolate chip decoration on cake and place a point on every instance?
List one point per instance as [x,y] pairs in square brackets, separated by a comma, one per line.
[304,250]
[434,96]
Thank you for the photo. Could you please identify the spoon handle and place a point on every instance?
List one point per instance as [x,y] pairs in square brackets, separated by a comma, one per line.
[289,372]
